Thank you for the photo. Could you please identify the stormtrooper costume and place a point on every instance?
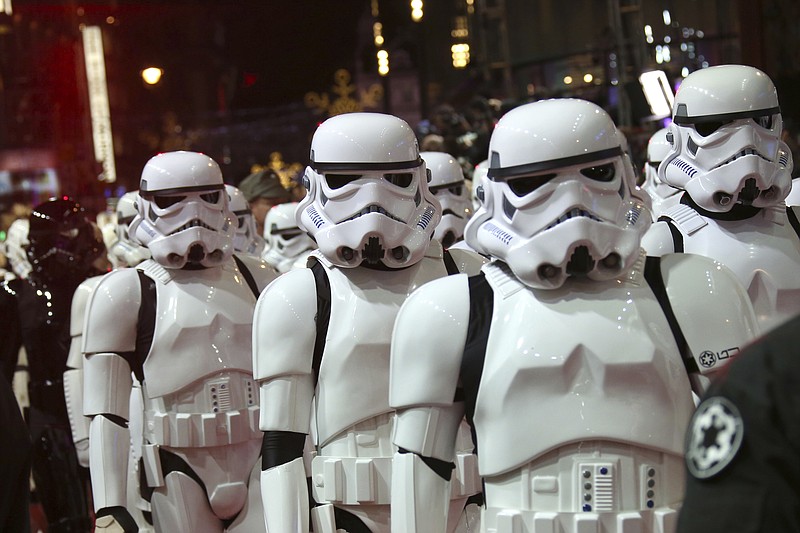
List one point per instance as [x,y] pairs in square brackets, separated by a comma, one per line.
[575,355]
[726,154]
[447,184]
[288,245]
[124,252]
[181,323]
[372,215]
[246,239]
[662,195]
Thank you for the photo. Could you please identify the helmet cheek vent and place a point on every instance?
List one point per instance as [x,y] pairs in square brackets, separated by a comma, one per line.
[508,209]
[152,215]
[691,146]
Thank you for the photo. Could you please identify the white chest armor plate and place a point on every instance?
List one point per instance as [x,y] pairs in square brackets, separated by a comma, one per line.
[354,373]
[763,251]
[587,362]
[203,327]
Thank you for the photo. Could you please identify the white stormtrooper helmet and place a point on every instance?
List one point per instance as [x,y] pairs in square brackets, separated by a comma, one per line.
[286,240]
[126,250]
[557,200]
[246,238]
[726,147]
[657,149]
[447,184]
[368,199]
[183,214]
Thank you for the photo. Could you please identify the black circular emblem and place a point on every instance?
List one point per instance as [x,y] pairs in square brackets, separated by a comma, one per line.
[708,359]
[714,436]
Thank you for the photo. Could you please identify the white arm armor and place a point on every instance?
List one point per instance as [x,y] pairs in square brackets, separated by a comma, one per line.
[427,347]
[428,344]
[107,387]
[658,240]
[700,287]
[73,376]
[285,496]
[281,361]
[467,261]
[112,313]
[108,463]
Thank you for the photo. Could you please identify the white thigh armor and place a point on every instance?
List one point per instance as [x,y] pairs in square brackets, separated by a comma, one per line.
[763,251]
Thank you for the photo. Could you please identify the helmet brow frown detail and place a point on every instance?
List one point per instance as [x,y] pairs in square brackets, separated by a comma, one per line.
[726,146]
[558,198]
[368,200]
[183,212]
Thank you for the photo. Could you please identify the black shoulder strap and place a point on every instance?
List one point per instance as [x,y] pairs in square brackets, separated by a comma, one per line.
[323,317]
[248,276]
[652,274]
[793,219]
[145,326]
[481,307]
[677,236]
[449,263]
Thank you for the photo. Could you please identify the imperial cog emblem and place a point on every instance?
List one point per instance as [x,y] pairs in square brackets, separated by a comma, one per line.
[708,359]
[714,437]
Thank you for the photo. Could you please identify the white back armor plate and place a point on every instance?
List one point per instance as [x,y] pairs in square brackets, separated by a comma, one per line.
[588,361]
[354,373]
[762,251]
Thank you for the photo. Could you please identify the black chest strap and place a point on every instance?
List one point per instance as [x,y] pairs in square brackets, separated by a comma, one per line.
[654,278]
[323,318]
[248,276]
[481,307]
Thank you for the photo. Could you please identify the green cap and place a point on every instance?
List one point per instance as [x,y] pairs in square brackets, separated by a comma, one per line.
[262,184]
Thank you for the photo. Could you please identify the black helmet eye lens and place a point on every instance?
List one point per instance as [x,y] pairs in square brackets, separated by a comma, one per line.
[603,173]
[401,179]
[210,197]
[707,128]
[765,121]
[337,181]
[164,202]
[528,184]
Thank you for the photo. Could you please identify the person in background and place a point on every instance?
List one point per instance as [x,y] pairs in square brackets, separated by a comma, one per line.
[262,190]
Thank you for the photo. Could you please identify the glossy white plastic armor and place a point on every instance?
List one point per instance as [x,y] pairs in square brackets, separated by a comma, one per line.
[352,437]
[199,399]
[726,140]
[14,247]
[447,183]
[183,211]
[126,250]
[289,246]
[793,198]
[763,251]
[752,235]
[368,195]
[662,195]
[553,199]
[581,393]
[617,397]
[246,238]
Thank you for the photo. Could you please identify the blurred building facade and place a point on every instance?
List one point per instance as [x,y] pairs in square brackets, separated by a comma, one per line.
[220,92]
